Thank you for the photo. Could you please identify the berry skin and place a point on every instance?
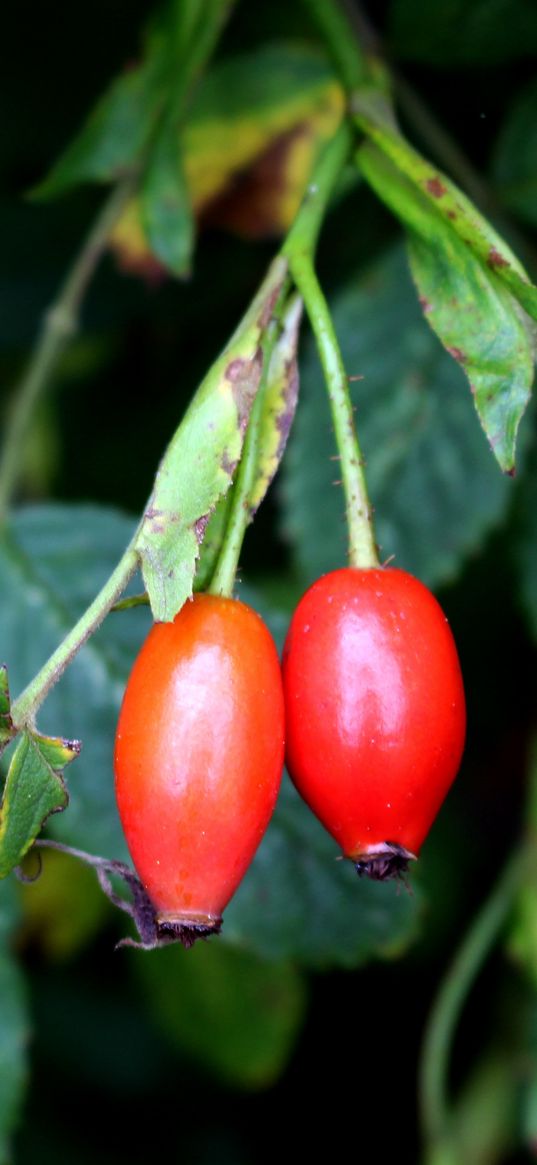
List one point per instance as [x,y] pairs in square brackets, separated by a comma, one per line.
[198,758]
[375,712]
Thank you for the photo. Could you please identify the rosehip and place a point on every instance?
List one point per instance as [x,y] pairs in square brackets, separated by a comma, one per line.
[198,758]
[375,712]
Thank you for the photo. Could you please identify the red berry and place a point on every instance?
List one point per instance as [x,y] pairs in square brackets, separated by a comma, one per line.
[375,712]
[198,757]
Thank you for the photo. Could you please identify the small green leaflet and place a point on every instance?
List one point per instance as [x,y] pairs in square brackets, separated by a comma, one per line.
[33,790]
[7,731]
[199,464]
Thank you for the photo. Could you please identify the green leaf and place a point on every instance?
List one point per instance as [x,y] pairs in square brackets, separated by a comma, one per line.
[482,327]
[235,1014]
[14,1024]
[165,201]
[116,132]
[33,790]
[280,397]
[7,730]
[435,489]
[198,467]
[374,115]
[245,103]
[514,163]
[455,32]
[475,316]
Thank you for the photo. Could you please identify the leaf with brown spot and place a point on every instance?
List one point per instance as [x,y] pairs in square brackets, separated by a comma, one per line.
[472,311]
[195,471]
[374,115]
[256,126]
[279,403]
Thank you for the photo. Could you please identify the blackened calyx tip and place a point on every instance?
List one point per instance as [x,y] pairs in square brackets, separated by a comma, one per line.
[384,863]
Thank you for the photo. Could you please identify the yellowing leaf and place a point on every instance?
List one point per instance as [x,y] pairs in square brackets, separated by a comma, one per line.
[256,127]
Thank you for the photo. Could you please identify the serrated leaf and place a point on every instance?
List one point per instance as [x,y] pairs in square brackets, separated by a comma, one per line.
[115,133]
[514,164]
[165,201]
[7,730]
[374,115]
[14,1024]
[280,396]
[33,790]
[198,467]
[436,491]
[473,313]
[235,1014]
[56,752]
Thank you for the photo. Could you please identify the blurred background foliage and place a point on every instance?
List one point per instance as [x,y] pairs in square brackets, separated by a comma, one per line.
[305,1020]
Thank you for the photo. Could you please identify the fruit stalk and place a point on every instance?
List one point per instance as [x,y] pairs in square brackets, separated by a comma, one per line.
[299,249]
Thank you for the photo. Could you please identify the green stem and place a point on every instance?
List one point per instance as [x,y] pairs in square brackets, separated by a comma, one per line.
[299,250]
[240,515]
[25,708]
[338,33]
[447,1008]
[60,323]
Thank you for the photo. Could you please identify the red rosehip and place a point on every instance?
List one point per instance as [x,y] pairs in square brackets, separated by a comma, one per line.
[198,758]
[375,712]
